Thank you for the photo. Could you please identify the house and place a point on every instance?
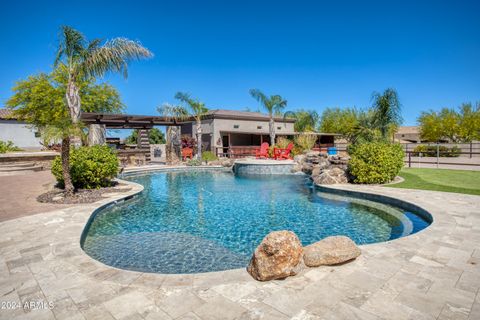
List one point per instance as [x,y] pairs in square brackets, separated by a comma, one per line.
[20,133]
[238,133]
[408,134]
[411,134]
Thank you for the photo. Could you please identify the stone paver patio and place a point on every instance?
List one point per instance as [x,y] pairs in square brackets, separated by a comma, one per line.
[434,274]
[19,192]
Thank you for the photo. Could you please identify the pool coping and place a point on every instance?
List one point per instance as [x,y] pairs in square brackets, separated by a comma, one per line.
[449,244]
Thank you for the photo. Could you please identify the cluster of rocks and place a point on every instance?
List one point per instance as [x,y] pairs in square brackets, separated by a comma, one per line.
[324,169]
[224,162]
[280,255]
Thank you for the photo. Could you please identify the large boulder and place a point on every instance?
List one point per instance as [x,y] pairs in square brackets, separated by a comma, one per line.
[278,256]
[330,251]
[299,158]
[333,175]
[226,162]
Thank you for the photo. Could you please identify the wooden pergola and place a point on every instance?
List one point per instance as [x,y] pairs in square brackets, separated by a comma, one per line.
[127,121]
[99,122]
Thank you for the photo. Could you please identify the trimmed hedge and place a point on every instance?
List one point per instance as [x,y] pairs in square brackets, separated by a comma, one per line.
[90,167]
[375,162]
[431,151]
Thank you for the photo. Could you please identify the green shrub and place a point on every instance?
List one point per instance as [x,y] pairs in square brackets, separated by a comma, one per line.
[375,162]
[208,156]
[454,152]
[431,151]
[90,167]
[305,142]
[194,162]
[8,147]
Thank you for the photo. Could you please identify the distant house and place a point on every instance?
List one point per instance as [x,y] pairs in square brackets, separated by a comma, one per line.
[408,134]
[238,132]
[20,133]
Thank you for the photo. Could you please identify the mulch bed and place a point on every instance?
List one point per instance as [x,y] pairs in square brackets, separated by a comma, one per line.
[57,195]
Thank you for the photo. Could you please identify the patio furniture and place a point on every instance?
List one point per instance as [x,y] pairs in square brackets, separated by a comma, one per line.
[283,154]
[187,153]
[332,151]
[263,152]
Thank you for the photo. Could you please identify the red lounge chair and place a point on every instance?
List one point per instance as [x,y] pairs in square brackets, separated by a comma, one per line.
[283,154]
[263,152]
[187,153]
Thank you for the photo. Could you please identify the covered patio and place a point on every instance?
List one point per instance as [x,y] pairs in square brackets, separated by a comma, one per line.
[244,144]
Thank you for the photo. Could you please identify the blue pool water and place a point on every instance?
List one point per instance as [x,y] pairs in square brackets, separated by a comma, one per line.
[201,221]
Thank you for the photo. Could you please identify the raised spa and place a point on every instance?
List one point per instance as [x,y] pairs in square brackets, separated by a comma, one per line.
[201,221]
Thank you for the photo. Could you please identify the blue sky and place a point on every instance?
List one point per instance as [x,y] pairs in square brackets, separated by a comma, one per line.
[315,54]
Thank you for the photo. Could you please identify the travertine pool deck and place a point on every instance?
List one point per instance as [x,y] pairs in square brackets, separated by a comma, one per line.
[434,274]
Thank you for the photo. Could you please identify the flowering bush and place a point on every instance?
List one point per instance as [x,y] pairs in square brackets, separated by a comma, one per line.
[375,162]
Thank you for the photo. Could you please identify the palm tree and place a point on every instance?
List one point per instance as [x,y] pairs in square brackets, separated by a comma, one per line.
[173,145]
[198,110]
[273,104]
[90,59]
[306,120]
[387,111]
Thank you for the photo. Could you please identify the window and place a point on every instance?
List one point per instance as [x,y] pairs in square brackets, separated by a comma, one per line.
[37,134]
[279,128]
[259,127]
[236,126]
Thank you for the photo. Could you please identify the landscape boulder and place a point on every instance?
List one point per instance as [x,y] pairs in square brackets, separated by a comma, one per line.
[330,251]
[226,162]
[278,256]
[333,175]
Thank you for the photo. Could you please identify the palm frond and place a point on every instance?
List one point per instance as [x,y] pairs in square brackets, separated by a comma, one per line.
[113,56]
[197,107]
[72,45]
[183,97]
[172,112]
[259,96]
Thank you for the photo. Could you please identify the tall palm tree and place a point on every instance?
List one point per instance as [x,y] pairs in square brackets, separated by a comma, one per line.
[306,120]
[198,110]
[173,145]
[387,111]
[273,105]
[90,59]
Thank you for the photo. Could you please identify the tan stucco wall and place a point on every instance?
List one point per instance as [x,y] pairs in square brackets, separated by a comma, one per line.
[216,126]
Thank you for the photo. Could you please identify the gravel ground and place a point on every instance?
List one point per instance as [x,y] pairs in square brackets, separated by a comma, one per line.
[57,195]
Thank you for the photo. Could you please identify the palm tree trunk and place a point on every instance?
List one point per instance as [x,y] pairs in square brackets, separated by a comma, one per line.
[67,179]
[199,139]
[172,148]
[74,106]
[168,146]
[271,127]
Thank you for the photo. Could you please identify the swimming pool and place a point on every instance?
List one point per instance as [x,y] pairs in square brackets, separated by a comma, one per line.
[202,221]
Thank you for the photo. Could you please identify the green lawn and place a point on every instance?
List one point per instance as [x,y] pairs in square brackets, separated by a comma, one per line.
[459,181]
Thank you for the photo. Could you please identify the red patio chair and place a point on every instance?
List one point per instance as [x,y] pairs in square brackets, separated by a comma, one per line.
[263,152]
[283,154]
[187,153]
